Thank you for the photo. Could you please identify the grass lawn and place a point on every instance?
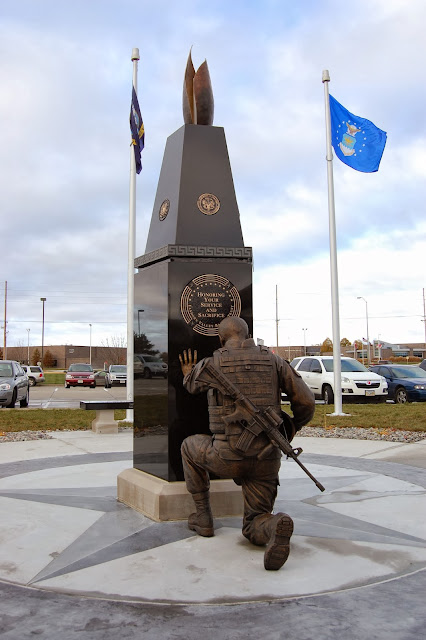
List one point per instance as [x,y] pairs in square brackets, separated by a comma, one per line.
[49,419]
[409,417]
[54,378]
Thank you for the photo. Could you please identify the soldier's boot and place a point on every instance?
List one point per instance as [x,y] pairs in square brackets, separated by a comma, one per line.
[202,520]
[278,547]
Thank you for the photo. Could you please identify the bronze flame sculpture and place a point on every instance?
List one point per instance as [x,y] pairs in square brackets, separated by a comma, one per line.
[197,102]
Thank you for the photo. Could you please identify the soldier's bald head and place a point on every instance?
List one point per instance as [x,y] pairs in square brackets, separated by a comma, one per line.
[233,327]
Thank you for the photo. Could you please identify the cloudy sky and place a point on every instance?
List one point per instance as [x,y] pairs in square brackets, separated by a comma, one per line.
[65,73]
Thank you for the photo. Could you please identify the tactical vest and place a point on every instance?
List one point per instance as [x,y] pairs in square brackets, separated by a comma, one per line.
[252,369]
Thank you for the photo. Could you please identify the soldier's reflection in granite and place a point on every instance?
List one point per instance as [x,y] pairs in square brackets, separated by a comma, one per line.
[191,417]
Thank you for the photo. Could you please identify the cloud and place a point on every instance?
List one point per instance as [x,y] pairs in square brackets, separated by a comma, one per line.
[64,158]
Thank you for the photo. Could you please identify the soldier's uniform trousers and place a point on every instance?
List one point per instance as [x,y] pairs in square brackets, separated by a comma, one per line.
[201,454]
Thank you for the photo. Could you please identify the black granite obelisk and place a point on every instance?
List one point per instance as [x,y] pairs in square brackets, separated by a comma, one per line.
[195,271]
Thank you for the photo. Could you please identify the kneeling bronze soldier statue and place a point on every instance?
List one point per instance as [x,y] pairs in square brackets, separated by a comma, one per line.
[244,384]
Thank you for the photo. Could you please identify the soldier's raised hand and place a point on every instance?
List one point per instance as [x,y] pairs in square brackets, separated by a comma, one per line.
[187,361]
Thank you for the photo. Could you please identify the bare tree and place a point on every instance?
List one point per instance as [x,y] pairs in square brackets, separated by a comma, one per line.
[112,350]
[20,351]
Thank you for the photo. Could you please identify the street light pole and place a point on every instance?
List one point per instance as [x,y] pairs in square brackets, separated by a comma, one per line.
[28,351]
[304,338]
[139,320]
[368,336]
[43,300]
[90,344]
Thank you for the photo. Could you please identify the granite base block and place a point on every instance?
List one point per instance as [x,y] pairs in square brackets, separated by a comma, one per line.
[161,500]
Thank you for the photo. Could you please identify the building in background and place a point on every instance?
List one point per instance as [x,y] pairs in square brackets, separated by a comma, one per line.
[102,357]
[64,355]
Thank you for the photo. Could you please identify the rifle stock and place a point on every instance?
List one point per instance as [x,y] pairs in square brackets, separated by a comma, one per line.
[251,417]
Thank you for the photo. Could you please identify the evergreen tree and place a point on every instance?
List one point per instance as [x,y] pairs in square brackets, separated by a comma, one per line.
[35,356]
[48,359]
[143,345]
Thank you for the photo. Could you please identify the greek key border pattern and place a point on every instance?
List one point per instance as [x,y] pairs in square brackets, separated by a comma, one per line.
[193,251]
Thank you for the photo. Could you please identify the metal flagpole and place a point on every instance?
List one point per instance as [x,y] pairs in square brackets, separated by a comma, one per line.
[333,256]
[424,315]
[131,257]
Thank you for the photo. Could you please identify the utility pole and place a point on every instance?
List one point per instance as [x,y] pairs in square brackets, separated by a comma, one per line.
[368,335]
[90,344]
[304,338]
[5,321]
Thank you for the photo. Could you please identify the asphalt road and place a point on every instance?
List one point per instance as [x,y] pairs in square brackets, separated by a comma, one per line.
[57,397]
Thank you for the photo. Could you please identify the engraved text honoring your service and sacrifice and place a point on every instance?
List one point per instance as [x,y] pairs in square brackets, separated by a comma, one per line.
[207,300]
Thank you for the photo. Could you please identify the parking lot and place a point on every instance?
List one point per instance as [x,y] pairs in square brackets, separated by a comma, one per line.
[57,397]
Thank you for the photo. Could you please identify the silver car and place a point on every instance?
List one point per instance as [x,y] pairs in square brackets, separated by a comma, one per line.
[35,374]
[147,366]
[14,384]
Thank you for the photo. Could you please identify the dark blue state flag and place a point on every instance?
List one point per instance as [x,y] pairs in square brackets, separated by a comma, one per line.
[137,129]
[356,141]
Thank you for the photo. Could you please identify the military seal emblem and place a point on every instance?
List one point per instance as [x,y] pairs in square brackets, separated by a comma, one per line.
[207,300]
[348,141]
[164,209]
[208,204]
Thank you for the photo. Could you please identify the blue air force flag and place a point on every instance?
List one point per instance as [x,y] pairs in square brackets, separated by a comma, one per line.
[356,141]
[137,129]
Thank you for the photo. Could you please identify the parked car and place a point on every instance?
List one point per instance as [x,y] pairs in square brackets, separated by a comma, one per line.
[35,374]
[100,378]
[422,365]
[406,383]
[147,366]
[116,375]
[14,384]
[81,375]
[358,383]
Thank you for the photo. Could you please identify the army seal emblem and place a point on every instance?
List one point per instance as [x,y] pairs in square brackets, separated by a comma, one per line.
[207,300]
[164,209]
[208,204]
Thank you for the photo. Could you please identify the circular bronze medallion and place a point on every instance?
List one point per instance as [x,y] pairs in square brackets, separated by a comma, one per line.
[207,300]
[164,209]
[208,204]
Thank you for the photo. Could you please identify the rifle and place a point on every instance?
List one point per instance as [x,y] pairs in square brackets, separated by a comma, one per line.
[252,419]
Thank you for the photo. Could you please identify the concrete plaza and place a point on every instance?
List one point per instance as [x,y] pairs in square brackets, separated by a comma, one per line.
[76,563]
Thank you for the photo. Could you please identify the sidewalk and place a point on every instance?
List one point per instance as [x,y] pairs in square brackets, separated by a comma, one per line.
[87,566]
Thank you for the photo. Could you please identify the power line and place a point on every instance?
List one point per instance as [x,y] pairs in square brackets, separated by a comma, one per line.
[417,315]
[71,321]
[76,302]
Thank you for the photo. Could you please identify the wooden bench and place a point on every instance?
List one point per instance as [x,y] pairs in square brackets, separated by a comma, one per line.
[104,421]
